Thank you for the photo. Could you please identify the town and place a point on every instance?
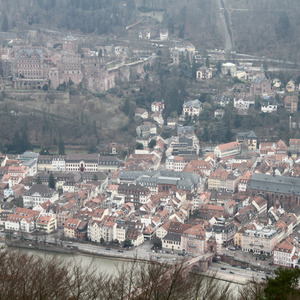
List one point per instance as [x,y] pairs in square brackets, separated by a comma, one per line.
[210,172]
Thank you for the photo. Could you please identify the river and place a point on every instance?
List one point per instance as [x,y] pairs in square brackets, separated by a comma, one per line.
[102,264]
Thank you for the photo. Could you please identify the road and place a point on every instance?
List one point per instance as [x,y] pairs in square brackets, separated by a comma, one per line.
[235,274]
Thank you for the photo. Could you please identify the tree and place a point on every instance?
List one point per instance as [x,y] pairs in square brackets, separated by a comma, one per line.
[51,181]
[284,285]
[127,243]
[25,276]
[151,144]
[207,62]
[61,147]
[139,146]
[4,26]
[219,67]
[156,241]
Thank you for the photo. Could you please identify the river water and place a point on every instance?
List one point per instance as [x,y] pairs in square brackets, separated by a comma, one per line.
[102,264]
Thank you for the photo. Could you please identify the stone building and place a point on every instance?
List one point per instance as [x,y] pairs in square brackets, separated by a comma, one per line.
[29,69]
[96,76]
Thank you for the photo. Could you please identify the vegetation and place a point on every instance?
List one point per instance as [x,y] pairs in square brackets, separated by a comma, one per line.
[51,181]
[25,276]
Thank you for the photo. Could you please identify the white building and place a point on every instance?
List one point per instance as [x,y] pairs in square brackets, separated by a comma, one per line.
[228,149]
[22,220]
[58,163]
[285,255]
[38,194]
[228,68]
[157,106]
[175,163]
[164,35]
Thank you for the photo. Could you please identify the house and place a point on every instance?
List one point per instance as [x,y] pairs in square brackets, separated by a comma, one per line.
[204,73]
[145,34]
[242,104]
[192,108]
[158,106]
[175,163]
[141,113]
[163,34]
[290,86]
[217,180]
[38,194]
[228,149]
[22,220]
[157,117]
[285,254]
[248,138]
[228,68]
[260,86]
[269,104]
[104,229]
[291,104]
[70,227]
[46,223]
[219,113]
[295,144]
[135,193]
[276,83]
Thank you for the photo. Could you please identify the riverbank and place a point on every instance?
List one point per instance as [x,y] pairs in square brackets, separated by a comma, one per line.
[71,250]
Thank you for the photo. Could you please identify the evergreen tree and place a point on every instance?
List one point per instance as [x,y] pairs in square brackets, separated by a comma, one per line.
[207,62]
[51,182]
[4,23]
[61,147]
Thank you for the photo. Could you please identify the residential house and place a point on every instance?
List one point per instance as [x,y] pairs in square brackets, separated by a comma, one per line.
[22,220]
[219,113]
[285,254]
[46,223]
[192,108]
[163,34]
[269,104]
[295,144]
[158,106]
[204,73]
[248,138]
[290,86]
[175,163]
[141,113]
[70,227]
[228,68]
[291,104]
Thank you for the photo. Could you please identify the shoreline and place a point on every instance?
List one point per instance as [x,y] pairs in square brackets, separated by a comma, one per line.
[70,251]
[63,251]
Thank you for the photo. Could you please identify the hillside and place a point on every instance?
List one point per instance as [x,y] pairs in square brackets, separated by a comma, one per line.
[269,28]
[80,119]
[261,27]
